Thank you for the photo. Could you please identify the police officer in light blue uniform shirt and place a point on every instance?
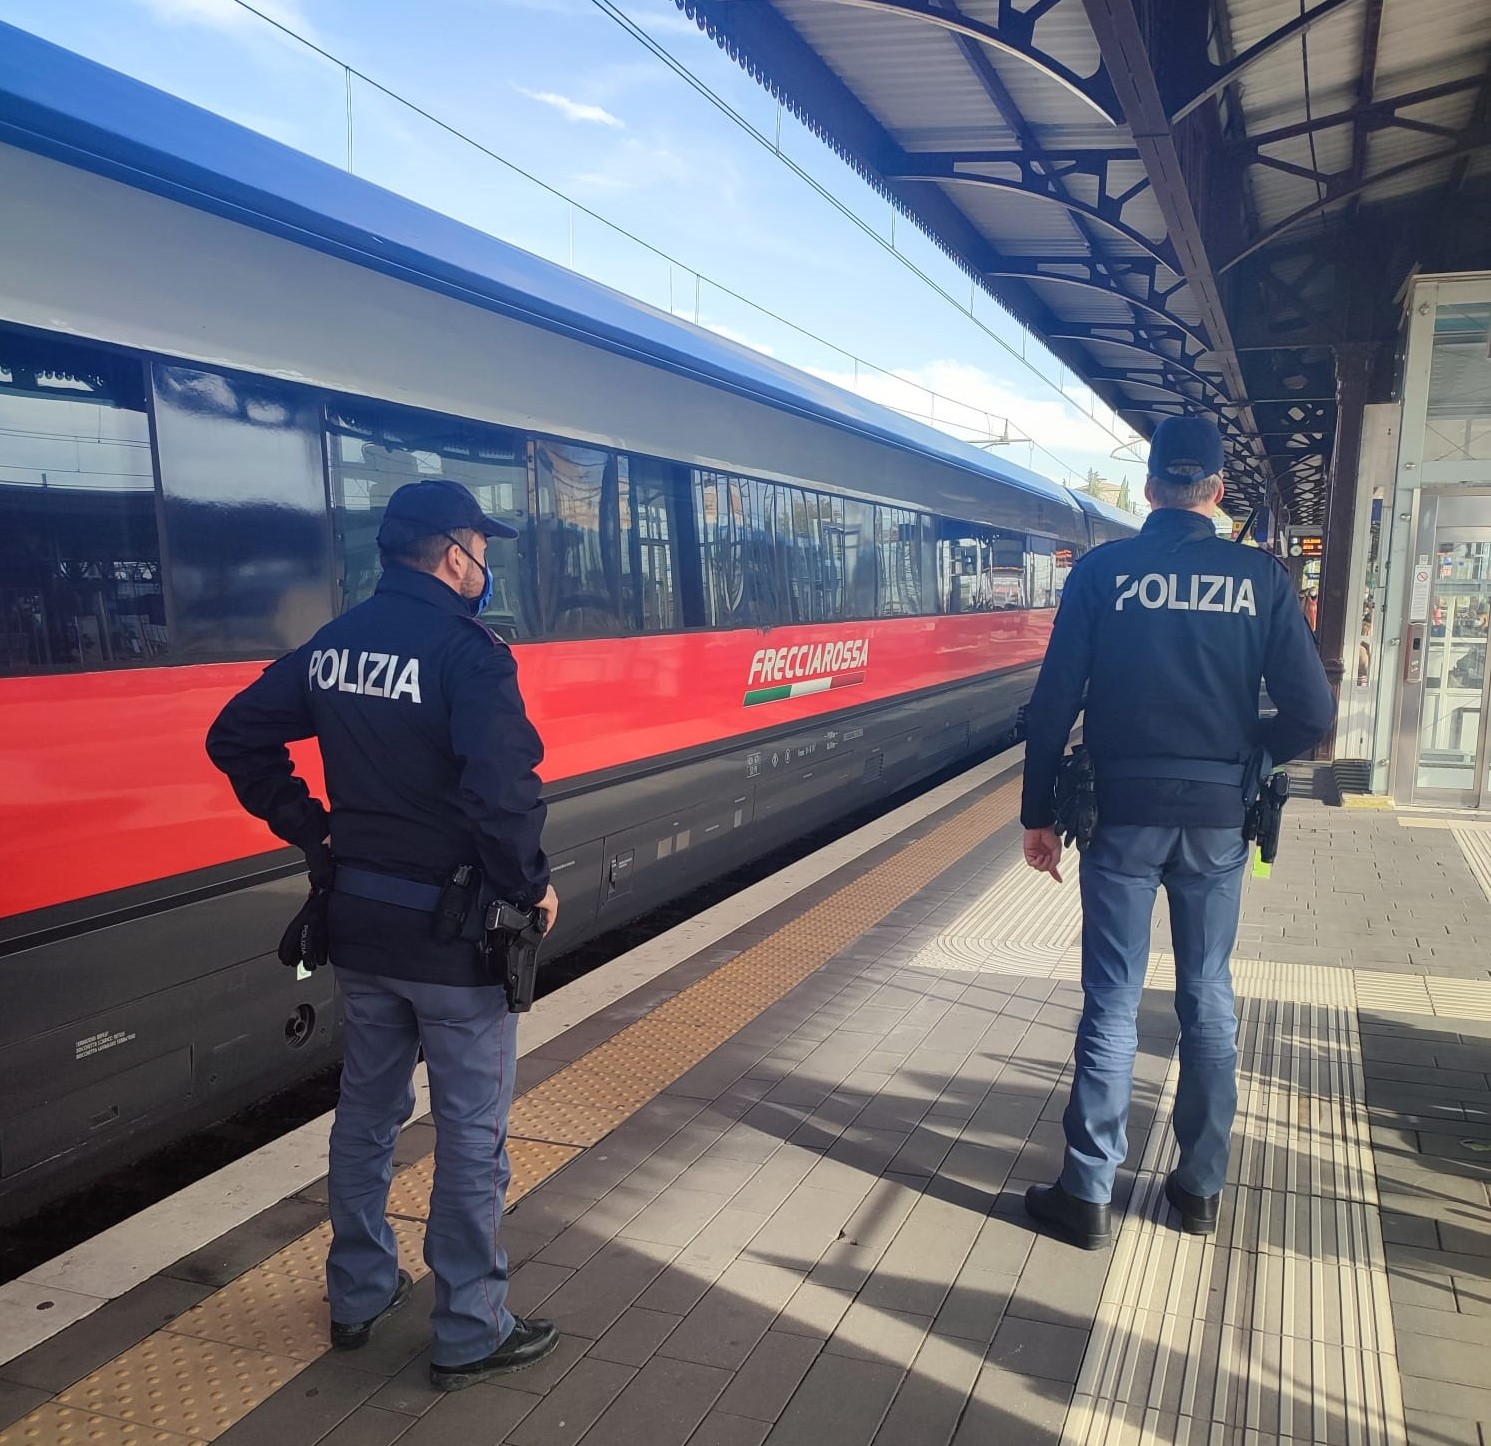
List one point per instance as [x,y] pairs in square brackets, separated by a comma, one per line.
[430,766]
[1167,636]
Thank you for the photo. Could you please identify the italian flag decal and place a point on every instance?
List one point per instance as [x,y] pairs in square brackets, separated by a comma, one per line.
[795,672]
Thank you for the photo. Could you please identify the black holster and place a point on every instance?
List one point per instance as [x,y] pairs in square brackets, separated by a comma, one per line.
[1266,813]
[1076,799]
[510,942]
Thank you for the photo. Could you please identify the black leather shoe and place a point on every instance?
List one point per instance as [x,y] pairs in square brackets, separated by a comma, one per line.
[1198,1213]
[527,1342]
[1083,1222]
[352,1337]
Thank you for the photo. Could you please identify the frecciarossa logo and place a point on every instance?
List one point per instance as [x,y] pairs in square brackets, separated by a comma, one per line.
[804,668]
[1198,593]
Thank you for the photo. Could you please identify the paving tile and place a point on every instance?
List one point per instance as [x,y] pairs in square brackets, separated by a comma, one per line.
[770,1374]
[306,1408]
[675,1217]
[877,1334]
[662,1406]
[975,1306]
[1013,1410]
[1425,1428]
[691,1273]
[574,1405]
[464,1418]
[841,1400]
[815,1310]
[1038,1348]
[635,1337]
[367,1426]
[593,1298]
[1059,1284]
[85,1345]
[1446,1398]
[247,1245]
[931,1401]
[723,1329]
[719,1429]
[1438,1357]
[17,1401]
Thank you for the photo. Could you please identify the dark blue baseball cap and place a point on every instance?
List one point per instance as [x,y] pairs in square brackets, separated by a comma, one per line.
[1184,450]
[433,507]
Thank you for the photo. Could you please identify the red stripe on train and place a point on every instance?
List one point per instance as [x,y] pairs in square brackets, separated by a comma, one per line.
[107,784]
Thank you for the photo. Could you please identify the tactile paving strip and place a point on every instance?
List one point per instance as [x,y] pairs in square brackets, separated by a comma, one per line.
[178,1383]
[1475,844]
[1280,1324]
[196,1388]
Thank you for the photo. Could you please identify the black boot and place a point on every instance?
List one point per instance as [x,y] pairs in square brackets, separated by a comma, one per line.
[353,1336]
[1084,1222]
[1198,1213]
[527,1342]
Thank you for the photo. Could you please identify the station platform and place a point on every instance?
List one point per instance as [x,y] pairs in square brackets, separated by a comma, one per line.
[768,1180]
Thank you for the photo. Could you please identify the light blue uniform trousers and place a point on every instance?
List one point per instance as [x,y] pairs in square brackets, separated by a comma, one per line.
[470,1048]
[1202,872]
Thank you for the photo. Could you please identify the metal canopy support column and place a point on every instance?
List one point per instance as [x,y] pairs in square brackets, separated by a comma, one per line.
[1353,378]
[1127,60]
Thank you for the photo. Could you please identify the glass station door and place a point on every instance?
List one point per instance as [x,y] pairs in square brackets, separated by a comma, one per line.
[1450,621]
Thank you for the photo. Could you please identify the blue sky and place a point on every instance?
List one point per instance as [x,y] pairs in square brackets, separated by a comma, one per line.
[560,90]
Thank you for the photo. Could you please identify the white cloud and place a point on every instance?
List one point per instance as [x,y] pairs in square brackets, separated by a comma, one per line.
[229,15]
[575,110]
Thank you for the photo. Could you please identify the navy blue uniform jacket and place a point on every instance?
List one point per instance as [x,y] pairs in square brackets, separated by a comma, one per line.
[1169,635]
[430,763]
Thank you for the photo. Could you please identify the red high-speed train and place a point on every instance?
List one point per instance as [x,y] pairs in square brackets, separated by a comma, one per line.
[743,600]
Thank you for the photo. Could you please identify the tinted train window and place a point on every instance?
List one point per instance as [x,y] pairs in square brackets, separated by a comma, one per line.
[245,505]
[375,449]
[740,572]
[859,558]
[980,569]
[904,562]
[809,537]
[80,566]
[579,543]
[650,574]
[1040,573]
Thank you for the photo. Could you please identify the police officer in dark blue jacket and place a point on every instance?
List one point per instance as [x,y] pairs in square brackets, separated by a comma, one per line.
[430,765]
[1168,636]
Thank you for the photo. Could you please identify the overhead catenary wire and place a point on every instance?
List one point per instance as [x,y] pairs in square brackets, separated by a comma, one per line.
[457,133]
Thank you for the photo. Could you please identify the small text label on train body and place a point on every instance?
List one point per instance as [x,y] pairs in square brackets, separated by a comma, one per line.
[1199,593]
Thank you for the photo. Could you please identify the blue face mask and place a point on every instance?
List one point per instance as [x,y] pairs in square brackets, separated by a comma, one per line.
[479,605]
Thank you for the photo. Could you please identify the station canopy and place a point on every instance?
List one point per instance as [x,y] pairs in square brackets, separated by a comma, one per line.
[1198,205]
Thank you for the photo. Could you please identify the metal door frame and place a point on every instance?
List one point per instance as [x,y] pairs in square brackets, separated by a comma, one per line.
[1424,530]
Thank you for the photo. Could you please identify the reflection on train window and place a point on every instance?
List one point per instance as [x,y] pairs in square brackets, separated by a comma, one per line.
[859,558]
[80,566]
[374,449]
[1040,572]
[809,549]
[903,551]
[579,544]
[648,549]
[981,569]
[737,546]
[245,509]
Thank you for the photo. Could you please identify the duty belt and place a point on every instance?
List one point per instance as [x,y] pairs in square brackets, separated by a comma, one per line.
[387,889]
[1187,770]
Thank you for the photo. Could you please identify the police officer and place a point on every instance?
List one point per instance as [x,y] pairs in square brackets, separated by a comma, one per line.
[430,765]
[1168,635]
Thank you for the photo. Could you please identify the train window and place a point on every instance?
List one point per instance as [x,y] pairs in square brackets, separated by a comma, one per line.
[374,449]
[1040,572]
[980,569]
[80,564]
[648,547]
[736,527]
[579,543]
[809,534]
[859,558]
[245,509]
[901,548]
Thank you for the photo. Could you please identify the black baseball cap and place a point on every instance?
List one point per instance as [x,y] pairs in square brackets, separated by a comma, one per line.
[433,507]
[1184,450]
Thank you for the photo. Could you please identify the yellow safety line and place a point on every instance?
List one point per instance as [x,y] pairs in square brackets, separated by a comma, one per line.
[192,1380]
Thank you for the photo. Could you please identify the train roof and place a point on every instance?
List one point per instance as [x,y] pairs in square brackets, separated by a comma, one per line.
[58,104]
[1115,519]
